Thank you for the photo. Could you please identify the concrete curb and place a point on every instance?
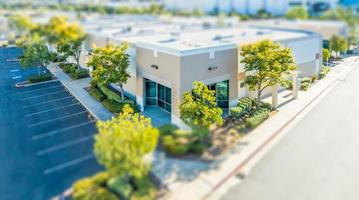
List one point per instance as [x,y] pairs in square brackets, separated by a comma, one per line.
[275,134]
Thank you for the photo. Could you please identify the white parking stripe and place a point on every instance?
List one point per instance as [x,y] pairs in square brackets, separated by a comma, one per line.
[55,119]
[16,77]
[68,164]
[41,136]
[27,98]
[45,102]
[39,89]
[32,114]
[64,145]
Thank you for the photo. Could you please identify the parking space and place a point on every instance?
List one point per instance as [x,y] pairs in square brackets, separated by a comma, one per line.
[46,135]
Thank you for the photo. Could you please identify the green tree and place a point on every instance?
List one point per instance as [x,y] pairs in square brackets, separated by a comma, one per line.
[297,13]
[199,107]
[72,48]
[338,44]
[326,55]
[266,63]
[21,23]
[36,53]
[125,144]
[110,65]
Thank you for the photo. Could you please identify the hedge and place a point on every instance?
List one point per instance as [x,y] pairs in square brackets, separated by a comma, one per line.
[167,129]
[41,78]
[67,67]
[117,107]
[323,72]
[145,190]
[243,107]
[96,93]
[109,93]
[93,188]
[121,186]
[257,117]
[78,74]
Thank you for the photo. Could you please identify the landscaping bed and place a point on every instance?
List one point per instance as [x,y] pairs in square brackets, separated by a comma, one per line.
[41,78]
[103,186]
[110,99]
[72,70]
[306,82]
[209,144]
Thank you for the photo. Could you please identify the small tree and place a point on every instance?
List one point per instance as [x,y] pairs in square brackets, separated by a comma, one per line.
[126,143]
[297,13]
[72,48]
[36,53]
[21,23]
[110,65]
[326,55]
[199,107]
[266,63]
[338,44]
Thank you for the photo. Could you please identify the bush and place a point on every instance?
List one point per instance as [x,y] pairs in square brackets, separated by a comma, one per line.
[167,129]
[198,148]
[96,93]
[305,83]
[78,74]
[145,190]
[117,107]
[109,93]
[262,104]
[173,146]
[323,72]
[68,68]
[313,78]
[92,188]
[41,78]
[243,107]
[257,117]
[120,186]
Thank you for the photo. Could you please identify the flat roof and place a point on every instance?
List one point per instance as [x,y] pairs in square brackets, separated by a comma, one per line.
[215,39]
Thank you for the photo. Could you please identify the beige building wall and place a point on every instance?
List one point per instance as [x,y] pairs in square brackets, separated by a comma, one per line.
[196,68]
[167,74]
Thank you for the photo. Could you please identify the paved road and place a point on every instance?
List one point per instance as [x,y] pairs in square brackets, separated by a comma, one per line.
[316,160]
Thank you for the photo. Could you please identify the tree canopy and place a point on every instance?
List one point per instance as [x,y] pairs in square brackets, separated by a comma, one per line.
[21,23]
[199,107]
[338,44]
[126,143]
[326,54]
[110,65]
[266,64]
[297,13]
[36,54]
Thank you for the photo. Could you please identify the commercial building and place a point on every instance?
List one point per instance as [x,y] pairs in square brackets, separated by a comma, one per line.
[165,65]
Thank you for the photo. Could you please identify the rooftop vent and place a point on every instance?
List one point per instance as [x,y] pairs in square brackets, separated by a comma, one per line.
[168,40]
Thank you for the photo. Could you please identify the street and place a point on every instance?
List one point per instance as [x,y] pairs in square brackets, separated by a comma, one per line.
[317,159]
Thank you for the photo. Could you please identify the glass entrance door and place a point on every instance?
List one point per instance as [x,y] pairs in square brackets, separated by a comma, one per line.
[221,92]
[158,95]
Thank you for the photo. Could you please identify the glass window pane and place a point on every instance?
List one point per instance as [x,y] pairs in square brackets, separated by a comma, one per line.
[150,89]
[223,90]
[168,95]
[161,92]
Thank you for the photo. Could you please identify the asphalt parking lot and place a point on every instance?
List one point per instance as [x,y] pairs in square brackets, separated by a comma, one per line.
[46,135]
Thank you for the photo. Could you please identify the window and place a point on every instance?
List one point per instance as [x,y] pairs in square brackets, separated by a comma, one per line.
[221,92]
[158,95]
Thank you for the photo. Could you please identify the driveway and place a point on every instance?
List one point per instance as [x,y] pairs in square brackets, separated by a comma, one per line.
[46,136]
[317,159]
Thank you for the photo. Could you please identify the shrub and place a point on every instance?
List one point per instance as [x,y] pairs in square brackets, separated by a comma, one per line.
[41,78]
[173,146]
[121,186]
[257,117]
[113,106]
[145,190]
[305,83]
[117,107]
[109,93]
[78,74]
[167,129]
[262,104]
[313,78]
[92,188]
[96,93]
[323,72]
[198,148]
[68,67]
[243,107]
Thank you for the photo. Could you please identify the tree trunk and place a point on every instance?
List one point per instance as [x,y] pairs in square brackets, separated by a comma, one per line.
[259,96]
[122,92]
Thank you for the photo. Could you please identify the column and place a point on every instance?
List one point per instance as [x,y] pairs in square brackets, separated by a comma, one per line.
[275,96]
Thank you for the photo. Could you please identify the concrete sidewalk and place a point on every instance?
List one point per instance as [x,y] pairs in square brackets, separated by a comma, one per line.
[207,185]
[76,88]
